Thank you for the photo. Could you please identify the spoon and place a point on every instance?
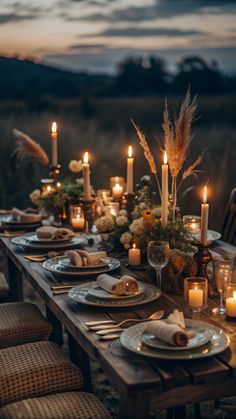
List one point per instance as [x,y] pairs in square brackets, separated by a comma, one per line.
[154,316]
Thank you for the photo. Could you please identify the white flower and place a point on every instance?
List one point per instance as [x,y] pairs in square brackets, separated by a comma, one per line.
[127,246]
[142,206]
[137,226]
[126,238]
[80,181]
[145,178]
[35,197]
[121,220]
[104,224]
[75,166]
[123,212]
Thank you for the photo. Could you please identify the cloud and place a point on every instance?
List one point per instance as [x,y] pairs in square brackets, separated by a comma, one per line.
[87,46]
[162,9]
[137,32]
[13,17]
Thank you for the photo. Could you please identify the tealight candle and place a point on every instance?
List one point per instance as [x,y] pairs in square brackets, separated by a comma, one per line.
[134,256]
[231,306]
[54,144]
[195,297]
[78,223]
[117,191]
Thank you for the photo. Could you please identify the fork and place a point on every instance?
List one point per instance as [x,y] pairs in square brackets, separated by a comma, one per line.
[102,326]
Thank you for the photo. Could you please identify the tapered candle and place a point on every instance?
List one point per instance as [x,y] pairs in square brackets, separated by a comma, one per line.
[130,171]
[86,176]
[164,191]
[204,216]
[54,144]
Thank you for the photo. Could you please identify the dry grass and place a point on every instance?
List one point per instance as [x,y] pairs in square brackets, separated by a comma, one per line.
[106,132]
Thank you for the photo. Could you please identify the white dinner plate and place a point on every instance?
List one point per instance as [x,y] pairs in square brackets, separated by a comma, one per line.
[23,242]
[131,339]
[211,235]
[52,265]
[67,264]
[33,238]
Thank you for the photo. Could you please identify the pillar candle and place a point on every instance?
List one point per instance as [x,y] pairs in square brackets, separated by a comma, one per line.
[86,176]
[130,171]
[164,191]
[204,217]
[134,256]
[231,306]
[195,298]
[54,144]
[78,223]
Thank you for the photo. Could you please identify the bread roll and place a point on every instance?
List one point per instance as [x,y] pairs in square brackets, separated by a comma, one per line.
[169,333]
[94,258]
[45,232]
[131,284]
[112,285]
[75,258]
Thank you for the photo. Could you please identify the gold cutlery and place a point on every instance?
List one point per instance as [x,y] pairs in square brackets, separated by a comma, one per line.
[109,337]
[108,331]
[105,325]
[95,323]
[60,292]
[10,234]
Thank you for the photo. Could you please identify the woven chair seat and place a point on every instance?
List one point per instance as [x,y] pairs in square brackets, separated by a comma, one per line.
[22,323]
[57,406]
[4,290]
[35,369]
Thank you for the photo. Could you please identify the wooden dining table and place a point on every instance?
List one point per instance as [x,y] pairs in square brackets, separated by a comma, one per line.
[143,384]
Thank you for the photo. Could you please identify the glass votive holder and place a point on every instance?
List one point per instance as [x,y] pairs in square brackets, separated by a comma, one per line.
[193,224]
[117,191]
[196,293]
[77,218]
[222,271]
[103,194]
[117,180]
[230,300]
[112,209]
[47,185]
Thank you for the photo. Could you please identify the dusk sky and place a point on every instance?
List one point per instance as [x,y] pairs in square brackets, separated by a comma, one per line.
[96,34]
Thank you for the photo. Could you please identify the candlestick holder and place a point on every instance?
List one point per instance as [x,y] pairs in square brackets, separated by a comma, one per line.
[129,203]
[54,171]
[88,209]
[202,257]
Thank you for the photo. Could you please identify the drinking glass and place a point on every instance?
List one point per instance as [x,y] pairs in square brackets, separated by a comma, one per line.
[158,257]
[222,274]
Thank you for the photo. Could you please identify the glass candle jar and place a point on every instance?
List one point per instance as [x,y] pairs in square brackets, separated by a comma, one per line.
[193,224]
[196,293]
[103,194]
[77,218]
[230,300]
[47,185]
[112,209]
[117,180]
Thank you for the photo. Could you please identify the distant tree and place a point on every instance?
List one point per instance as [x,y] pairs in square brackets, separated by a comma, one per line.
[204,78]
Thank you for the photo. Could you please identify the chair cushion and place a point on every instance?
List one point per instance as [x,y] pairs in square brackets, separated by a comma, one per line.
[4,290]
[35,369]
[57,406]
[22,323]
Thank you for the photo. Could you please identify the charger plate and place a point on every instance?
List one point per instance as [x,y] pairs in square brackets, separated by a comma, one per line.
[131,339]
[66,263]
[80,295]
[23,242]
[52,265]
[33,238]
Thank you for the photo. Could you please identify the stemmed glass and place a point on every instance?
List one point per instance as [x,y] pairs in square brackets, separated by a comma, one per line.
[222,273]
[158,257]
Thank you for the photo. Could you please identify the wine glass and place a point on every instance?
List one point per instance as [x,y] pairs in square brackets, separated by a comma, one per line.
[158,257]
[222,273]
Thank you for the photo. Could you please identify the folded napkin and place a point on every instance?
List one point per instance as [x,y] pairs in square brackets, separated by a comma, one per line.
[53,233]
[83,258]
[25,216]
[168,332]
[125,285]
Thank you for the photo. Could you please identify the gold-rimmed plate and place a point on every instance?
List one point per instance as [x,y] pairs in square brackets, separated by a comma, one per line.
[52,265]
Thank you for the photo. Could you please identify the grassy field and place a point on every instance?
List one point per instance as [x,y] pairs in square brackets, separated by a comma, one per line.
[103,128]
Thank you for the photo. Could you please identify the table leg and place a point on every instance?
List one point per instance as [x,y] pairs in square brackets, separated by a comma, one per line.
[14,279]
[56,335]
[135,405]
[80,358]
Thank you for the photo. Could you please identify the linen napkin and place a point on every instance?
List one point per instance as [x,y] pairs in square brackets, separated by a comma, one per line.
[83,258]
[170,333]
[53,233]
[24,216]
[125,285]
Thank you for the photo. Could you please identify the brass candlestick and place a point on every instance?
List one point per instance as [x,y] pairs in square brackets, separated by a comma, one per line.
[54,171]
[202,257]
[129,203]
[88,209]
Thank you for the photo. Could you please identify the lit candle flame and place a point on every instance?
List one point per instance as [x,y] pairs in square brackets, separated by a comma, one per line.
[165,157]
[54,127]
[205,195]
[58,184]
[49,188]
[234,297]
[134,246]
[86,157]
[130,151]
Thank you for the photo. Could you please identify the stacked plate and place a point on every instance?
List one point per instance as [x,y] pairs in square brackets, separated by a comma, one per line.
[208,340]
[8,221]
[90,294]
[31,241]
[61,265]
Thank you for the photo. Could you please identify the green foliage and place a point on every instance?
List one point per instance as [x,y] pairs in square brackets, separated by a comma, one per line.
[68,193]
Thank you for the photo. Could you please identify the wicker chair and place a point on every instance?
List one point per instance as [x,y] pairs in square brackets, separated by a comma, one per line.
[229,223]
[4,290]
[36,369]
[71,405]
[22,323]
